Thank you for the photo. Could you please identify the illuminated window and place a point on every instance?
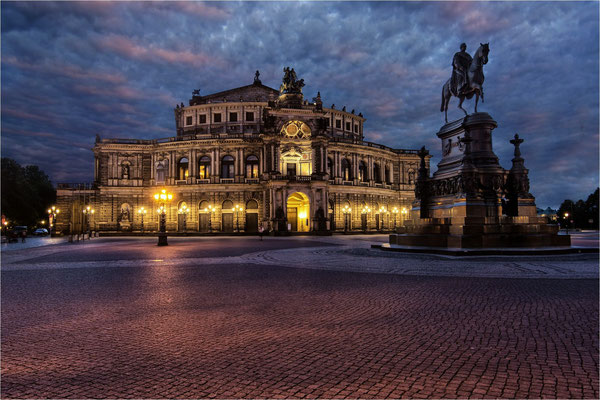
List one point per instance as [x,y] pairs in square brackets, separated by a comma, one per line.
[362,171]
[204,167]
[182,168]
[252,167]
[346,175]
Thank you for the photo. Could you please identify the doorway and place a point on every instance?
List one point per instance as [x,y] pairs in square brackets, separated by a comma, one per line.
[227,222]
[298,212]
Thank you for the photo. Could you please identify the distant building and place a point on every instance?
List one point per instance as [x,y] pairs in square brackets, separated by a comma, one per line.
[289,163]
[549,213]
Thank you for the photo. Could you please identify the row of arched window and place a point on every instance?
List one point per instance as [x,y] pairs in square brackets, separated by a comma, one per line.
[204,168]
[363,176]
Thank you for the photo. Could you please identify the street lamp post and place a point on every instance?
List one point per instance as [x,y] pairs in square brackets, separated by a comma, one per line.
[87,213]
[184,210]
[382,212]
[404,212]
[567,222]
[163,197]
[395,212]
[365,211]
[237,209]
[142,211]
[210,209]
[52,213]
[346,211]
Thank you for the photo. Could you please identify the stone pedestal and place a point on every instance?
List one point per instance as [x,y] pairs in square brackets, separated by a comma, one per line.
[471,201]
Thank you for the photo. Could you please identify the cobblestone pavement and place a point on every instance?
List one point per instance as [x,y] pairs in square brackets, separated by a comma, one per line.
[228,318]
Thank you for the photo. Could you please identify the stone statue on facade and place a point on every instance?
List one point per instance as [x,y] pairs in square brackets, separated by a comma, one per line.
[256,80]
[467,77]
[290,83]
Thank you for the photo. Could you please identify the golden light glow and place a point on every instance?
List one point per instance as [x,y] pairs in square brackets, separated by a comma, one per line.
[346,209]
[366,209]
[302,215]
[142,210]
[53,210]
[183,209]
[88,210]
[404,210]
[395,210]
[566,215]
[163,195]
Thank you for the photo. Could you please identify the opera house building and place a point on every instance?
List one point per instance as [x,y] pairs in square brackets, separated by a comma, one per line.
[244,158]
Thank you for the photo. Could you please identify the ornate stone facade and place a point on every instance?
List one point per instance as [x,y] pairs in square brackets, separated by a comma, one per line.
[290,163]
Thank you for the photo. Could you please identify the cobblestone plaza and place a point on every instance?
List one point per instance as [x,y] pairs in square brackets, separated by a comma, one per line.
[293,317]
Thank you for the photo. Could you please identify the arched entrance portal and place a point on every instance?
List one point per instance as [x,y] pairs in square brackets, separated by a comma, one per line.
[298,212]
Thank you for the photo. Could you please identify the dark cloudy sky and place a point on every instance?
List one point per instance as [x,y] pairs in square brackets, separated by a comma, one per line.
[73,70]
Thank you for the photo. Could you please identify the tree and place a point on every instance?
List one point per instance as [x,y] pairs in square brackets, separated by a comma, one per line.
[26,193]
[584,214]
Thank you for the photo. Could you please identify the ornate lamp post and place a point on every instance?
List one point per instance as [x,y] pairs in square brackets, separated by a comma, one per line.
[346,211]
[395,211]
[184,210]
[163,197]
[365,211]
[87,214]
[211,209]
[52,213]
[382,212]
[142,211]
[237,209]
[404,212]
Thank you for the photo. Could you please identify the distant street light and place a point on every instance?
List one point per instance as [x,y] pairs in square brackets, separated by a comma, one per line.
[210,209]
[567,222]
[346,211]
[142,211]
[52,214]
[184,210]
[163,197]
[404,212]
[87,213]
[382,212]
[237,209]
[365,211]
[395,211]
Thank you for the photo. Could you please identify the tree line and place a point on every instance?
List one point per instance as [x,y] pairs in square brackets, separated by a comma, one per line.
[27,193]
[583,214]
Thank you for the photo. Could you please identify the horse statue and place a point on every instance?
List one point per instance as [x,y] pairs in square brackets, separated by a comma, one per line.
[475,82]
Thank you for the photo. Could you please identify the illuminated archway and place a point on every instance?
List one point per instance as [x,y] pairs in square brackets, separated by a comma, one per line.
[298,212]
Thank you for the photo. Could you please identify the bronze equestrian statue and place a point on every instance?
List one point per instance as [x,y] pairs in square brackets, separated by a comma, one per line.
[467,77]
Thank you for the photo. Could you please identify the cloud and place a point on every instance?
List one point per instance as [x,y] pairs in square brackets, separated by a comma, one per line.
[76,69]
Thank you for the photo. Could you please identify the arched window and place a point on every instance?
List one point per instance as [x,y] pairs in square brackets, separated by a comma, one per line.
[251,166]
[227,206]
[203,205]
[204,167]
[251,205]
[182,168]
[388,175]
[330,167]
[362,171]
[227,167]
[377,173]
[346,174]
[161,170]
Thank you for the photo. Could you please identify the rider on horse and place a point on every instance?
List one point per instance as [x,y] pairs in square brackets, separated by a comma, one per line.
[461,62]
